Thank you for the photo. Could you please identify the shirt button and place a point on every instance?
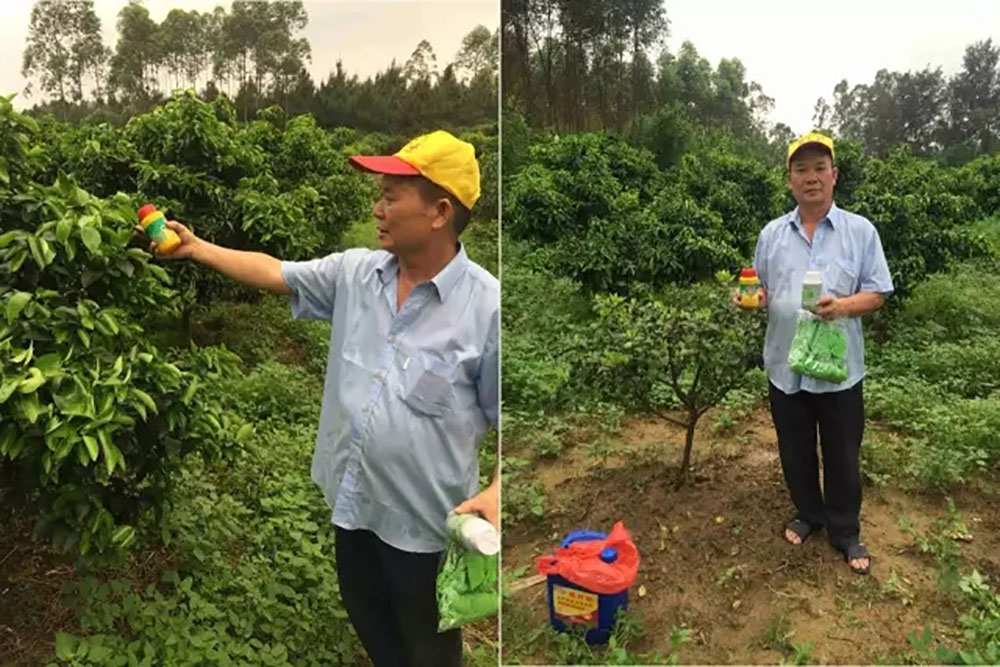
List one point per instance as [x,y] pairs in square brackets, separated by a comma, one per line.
[392,340]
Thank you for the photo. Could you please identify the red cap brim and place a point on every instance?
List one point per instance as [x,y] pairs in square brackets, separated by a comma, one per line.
[384,164]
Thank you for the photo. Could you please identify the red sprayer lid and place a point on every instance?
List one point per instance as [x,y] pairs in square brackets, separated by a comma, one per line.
[748,273]
[146,210]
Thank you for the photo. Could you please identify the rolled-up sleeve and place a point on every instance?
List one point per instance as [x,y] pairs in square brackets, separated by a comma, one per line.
[489,374]
[875,275]
[314,285]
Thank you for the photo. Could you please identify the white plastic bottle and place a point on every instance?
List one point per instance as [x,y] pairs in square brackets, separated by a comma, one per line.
[812,285]
[474,532]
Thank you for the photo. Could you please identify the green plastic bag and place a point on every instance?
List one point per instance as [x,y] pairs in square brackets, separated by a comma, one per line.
[819,349]
[466,587]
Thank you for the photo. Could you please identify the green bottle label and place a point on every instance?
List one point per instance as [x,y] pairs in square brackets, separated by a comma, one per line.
[157,229]
[810,296]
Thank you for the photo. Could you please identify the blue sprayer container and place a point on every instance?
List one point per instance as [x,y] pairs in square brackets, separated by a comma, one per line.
[572,605]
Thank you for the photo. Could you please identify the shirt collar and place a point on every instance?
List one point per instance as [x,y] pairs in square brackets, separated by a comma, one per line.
[444,282]
[832,216]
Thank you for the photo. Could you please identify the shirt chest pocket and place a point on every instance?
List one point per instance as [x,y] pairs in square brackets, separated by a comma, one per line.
[840,278]
[432,384]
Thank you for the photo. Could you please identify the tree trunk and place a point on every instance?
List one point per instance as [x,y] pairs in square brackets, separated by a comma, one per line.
[684,476]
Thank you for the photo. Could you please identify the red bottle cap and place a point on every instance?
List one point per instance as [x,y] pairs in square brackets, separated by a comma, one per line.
[146,210]
[748,273]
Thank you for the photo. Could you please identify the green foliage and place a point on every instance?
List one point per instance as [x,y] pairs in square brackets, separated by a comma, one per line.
[978,602]
[540,317]
[521,499]
[920,211]
[682,349]
[254,583]
[952,306]
[264,331]
[611,218]
[940,542]
[522,641]
[95,417]
[934,381]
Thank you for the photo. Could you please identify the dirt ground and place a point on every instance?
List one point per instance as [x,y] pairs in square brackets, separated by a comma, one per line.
[31,606]
[714,561]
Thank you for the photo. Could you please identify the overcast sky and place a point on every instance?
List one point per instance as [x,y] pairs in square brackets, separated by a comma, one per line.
[798,51]
[365,35]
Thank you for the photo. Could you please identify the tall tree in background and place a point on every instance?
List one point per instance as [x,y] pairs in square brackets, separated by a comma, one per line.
[185,45]
[646,26]
[136,61]
[974,99]
[254,55]
[953,119]
[422,64]
[478,54]
[64,47]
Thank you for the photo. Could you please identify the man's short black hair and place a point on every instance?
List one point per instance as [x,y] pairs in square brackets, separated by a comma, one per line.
[431,192]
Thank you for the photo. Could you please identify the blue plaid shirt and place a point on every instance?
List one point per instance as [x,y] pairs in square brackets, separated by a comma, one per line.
[847,252]
[409,394]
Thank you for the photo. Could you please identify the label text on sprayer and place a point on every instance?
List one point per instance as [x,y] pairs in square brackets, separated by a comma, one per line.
[573,606]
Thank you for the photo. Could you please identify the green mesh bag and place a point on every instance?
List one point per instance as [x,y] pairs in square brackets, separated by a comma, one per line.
[819,349]
[466,587]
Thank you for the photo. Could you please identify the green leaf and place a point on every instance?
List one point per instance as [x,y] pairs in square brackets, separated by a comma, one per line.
[189,392]
[49,364]
[65,646]
[63,229]
[159,272]
[244,433]
[109,322]
[106,448]
[7,438]
[75,400]
[8,387]
[5,239]
[92,446]
[36,251]
[123,536]
[146,399]
[16,259]
[16,304]
[91,238]
[32,383]
[48,254]
[32,407]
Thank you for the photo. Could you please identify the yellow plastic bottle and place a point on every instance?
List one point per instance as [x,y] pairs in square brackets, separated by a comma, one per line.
[155,225]
[749,289]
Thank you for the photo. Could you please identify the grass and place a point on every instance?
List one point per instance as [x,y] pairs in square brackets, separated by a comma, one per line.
[524,639]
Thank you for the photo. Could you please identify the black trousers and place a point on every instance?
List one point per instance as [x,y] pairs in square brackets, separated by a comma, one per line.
[390,597]
[840,418]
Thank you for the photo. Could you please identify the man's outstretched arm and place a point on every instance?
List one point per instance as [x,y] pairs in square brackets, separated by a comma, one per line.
[254,269]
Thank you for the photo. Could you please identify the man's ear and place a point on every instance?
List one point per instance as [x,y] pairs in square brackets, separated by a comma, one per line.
[835,172]
[444,212]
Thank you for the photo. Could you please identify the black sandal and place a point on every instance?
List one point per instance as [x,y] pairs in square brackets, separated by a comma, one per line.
[855,551]
[802,528]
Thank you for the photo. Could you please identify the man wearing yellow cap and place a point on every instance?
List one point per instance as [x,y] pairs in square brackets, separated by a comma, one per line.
[411,388]
[846,251]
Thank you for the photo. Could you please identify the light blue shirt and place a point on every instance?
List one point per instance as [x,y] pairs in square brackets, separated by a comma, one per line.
[847,252]
[408,395]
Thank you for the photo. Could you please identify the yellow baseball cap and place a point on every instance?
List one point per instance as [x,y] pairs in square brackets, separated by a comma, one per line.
[810,138]
[440,157]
